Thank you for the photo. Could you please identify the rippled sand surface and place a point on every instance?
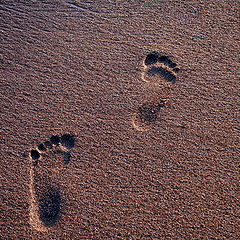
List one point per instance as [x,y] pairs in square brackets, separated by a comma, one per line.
[119,119]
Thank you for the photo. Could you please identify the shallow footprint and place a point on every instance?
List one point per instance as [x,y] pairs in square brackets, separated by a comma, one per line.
[147,114]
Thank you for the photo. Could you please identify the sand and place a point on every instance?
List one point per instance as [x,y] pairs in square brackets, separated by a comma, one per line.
[148,92]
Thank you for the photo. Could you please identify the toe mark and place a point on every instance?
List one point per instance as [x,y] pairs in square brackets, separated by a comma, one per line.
[68,141]
[41,147]
[55,140]
[151,58]
[48,144]
[35,155]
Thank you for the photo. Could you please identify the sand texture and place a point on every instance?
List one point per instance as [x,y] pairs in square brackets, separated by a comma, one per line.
[119,120]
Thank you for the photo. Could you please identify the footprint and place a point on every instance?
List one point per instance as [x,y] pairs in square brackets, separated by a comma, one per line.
[147,114]
[159,67]
[46,198]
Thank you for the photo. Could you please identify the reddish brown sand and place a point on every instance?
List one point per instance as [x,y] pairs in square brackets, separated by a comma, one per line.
[138,170]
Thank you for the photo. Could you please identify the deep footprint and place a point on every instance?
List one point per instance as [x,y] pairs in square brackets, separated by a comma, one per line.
[46,198]
[158,69]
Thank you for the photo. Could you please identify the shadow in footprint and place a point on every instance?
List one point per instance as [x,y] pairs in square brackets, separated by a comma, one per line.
[167,61]
[55,140]
[67,157]
[50,207]
[176,70]
[41,147]
[48,145]
[35,156]
[166,74]
[151,58]
[68,141]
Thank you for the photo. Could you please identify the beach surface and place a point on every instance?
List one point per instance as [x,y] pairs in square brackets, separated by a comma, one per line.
[119,120]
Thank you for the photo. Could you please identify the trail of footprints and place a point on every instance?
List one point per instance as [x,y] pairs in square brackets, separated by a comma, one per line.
[157,69]
[48,159]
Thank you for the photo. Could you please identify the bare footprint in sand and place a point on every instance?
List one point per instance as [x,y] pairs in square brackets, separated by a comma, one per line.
[158,68]
[46,198]
[159,72]
[147,114]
